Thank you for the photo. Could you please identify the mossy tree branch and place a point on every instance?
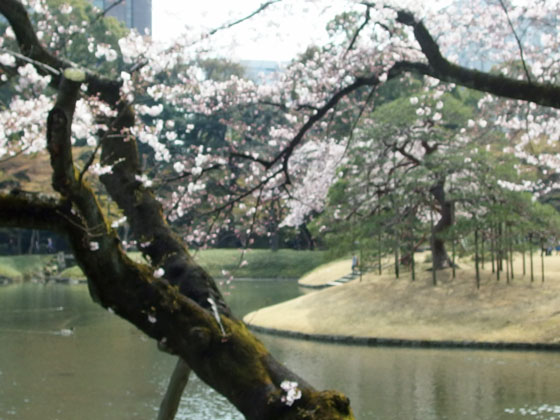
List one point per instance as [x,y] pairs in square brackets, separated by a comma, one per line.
[174,309]
[144,213]
[33,211]
[31,47]
[237,365]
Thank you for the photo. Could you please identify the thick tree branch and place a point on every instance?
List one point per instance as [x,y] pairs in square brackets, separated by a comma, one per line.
[235,364]
[33,211]
[26,37]
[413,159]
[440,68]
[263,162]
[145,215]
[246,193]
[31,47]
[220,348]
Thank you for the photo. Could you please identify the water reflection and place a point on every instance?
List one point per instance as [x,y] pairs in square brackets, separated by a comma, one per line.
[107,369]
[401,383]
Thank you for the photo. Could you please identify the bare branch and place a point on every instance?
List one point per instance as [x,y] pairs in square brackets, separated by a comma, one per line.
[245,193]
[90,160]
[186,174]
[263,162]
[36,63]
[407,155]
[16,154]
[519,45]
[359,117]
[104,12]
[285,108]
[32,211]
[359,30]
[372,80]
[243,19]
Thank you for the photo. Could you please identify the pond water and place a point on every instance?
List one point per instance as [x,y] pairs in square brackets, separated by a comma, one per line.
[107,369]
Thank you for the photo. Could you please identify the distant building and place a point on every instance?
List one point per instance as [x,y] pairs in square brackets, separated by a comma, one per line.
[135,14]
[261,71]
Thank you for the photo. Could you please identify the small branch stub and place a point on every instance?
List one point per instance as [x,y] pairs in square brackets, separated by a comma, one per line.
[74,74]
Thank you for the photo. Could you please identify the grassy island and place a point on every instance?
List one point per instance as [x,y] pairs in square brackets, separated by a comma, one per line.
[454,311]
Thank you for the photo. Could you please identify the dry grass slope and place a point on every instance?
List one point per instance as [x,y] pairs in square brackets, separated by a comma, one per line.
[453,310]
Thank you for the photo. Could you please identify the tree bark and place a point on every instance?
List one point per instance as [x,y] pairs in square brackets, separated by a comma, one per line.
[31,242]
[182,310]
[308,238]
[179,310]
[439,253]
[476,258]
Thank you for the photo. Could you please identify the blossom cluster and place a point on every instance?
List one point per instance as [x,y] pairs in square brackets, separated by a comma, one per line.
[266,161]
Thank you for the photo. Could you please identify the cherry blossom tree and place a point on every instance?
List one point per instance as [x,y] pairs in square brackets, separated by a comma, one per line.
[309,110]
[411,150]
[172,299]
[379,42]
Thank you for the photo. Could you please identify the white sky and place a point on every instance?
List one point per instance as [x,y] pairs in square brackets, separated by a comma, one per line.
[259,38]
[276,34]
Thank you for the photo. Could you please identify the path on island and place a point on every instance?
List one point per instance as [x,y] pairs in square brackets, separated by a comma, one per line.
[335,273]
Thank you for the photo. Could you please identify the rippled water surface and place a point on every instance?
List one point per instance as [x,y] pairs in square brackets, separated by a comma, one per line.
[62,357]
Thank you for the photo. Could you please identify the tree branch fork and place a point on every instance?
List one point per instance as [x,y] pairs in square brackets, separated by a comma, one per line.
[173,309]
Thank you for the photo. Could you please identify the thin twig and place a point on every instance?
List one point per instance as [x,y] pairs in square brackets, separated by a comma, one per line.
[245,194]
[243,19]
[358,118]
[519,45]
[358,31]
[29,60]
[16,154]
[105,11]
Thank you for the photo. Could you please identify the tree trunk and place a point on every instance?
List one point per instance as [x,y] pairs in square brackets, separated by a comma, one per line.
[379,254]
[412,262]
[274,240]
[531,258]
[31,242]
[308,238]
[476,258]
[396,248]
[453,265]
[19,250]
[482,250]
[510,249]
[523,253]
[439,253]
[498,252]
[542,260]
[434,276]
[492,248]
[179,379]
[172,300]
